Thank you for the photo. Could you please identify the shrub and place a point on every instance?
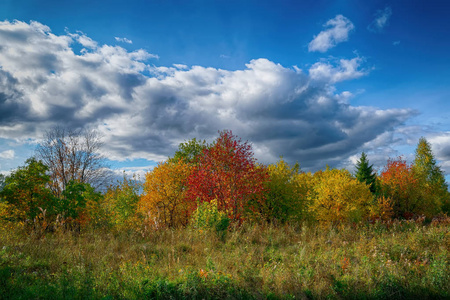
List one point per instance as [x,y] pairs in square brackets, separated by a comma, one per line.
[283,199]
[120,204]
[207,216]
[338,197]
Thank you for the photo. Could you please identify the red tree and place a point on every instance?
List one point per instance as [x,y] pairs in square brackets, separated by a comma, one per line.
[399,183]
[227,172]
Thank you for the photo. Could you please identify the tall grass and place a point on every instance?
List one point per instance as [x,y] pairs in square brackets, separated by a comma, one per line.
[399,260]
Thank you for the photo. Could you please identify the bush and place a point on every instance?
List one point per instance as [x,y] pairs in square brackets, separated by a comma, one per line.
[338,197]
[283,200]
[207,216]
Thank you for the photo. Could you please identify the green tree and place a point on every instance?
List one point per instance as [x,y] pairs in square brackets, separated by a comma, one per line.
[282,201]
[79,203]
[120,203]
[2,182]
[431,178]
[189,151]
[364,173]
[27,189]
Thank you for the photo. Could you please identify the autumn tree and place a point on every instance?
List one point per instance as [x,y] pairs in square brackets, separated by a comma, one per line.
[228,173]
[336,196]
[27,189]
[164,200]
[399,183]
[283,200]
[120,203]
[72,155]
[364,173]
[190,151]
[79,204]
[431,179]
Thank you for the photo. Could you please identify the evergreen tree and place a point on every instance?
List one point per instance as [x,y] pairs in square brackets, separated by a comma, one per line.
[364,173]
[431,177]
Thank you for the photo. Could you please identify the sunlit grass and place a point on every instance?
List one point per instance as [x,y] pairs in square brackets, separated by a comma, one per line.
[378,261]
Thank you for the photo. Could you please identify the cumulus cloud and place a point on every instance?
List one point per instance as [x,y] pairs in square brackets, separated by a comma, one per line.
[337,31]
[123,40]
[440,144]
[346,69]
[8,154]
[281,110]
[381,20]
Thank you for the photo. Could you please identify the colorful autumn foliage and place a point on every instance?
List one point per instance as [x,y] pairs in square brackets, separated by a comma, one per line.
[338,197]
[164,200]
[120,204]
[399,183]
[227,172]
[79,203]
[213,184]
[283,199]
[27,190]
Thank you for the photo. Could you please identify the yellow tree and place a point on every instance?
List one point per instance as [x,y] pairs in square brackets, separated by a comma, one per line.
[435,194]
[120,203]
[164,202]
[283,200]
[338,197]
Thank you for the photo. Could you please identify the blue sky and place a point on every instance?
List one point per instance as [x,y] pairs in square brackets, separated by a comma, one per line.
[314,81]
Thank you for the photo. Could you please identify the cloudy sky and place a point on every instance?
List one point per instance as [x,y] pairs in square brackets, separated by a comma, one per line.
[314,81]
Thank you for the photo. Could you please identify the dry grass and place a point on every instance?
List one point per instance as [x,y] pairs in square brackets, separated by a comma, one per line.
[379,261]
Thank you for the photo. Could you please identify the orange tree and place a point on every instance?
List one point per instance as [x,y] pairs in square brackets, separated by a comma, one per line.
[399,183]
[227,171]
[164,200]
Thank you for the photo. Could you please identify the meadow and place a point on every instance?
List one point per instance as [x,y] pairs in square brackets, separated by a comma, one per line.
[212,223]
[383,260]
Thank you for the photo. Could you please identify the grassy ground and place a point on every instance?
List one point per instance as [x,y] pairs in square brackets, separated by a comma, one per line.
[402,260]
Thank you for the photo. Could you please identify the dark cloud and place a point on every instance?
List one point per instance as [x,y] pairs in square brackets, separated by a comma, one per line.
[282,111]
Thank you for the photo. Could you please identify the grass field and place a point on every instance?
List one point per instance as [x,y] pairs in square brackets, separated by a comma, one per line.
[400,260]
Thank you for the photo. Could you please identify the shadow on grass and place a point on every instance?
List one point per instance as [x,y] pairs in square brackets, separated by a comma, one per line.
[38,283]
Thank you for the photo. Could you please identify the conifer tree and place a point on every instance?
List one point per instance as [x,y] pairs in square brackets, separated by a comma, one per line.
[430,176]
[364,173]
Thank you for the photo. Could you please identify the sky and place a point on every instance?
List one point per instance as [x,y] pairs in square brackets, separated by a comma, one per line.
[316,82]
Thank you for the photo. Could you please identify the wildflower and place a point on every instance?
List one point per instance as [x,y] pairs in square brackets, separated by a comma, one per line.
[345,263]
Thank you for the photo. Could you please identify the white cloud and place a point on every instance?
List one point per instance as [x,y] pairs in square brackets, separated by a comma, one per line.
[381,20]
[346,70]
[180,66]
[282,111]
[87,42]
[396,43]
[7,154]
[440,144]
[123,40]
[337,31]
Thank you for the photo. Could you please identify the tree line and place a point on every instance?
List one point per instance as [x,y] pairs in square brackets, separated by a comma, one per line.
[211,185]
